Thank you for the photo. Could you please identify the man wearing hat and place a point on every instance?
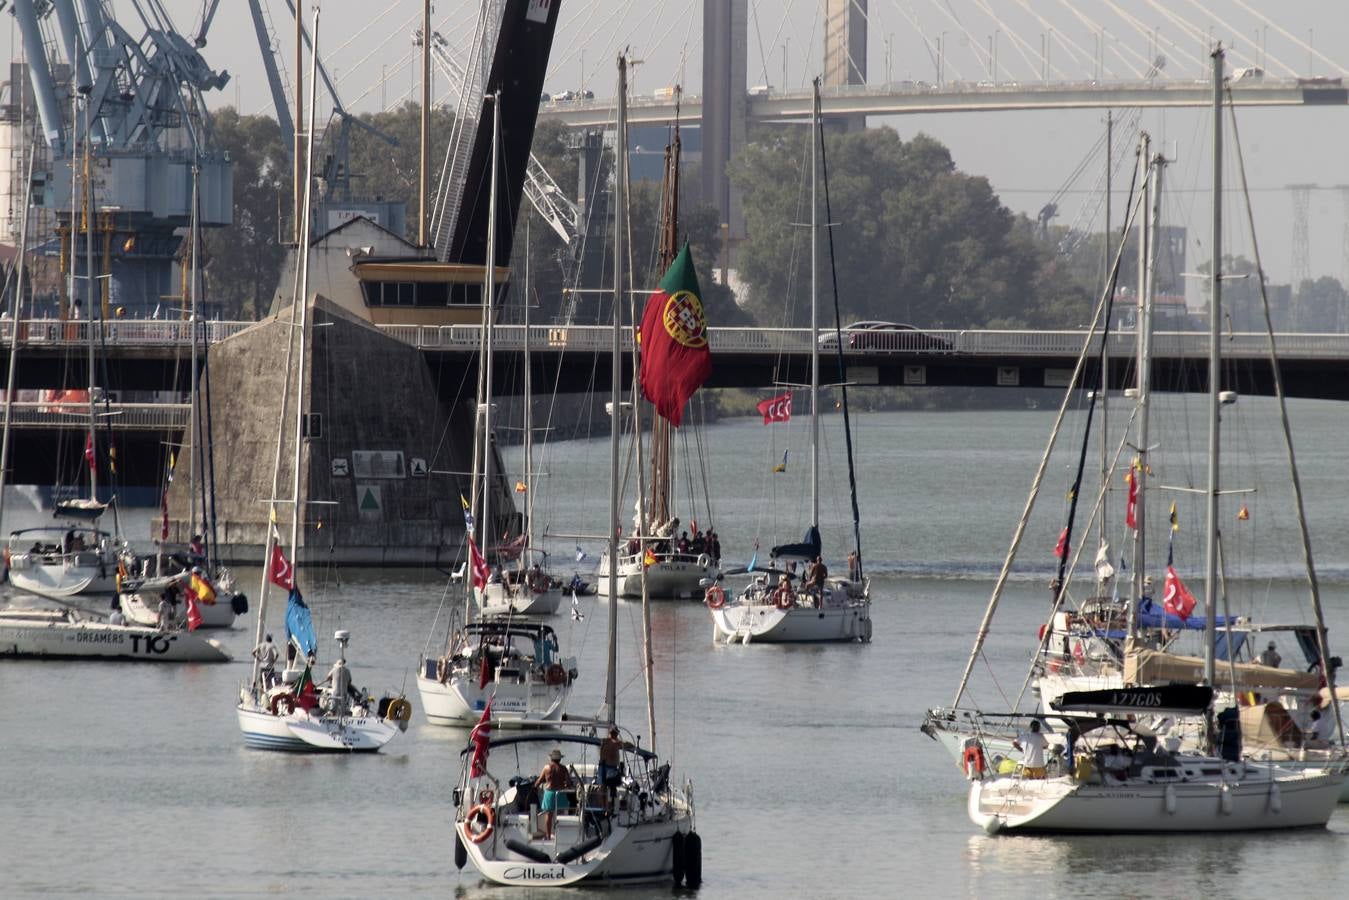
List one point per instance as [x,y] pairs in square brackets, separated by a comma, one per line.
[1270,657]
[554,780]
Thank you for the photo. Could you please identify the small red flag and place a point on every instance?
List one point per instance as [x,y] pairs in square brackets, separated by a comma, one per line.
[280,572]
[1061,548]
[193,614]
[1131,508]
[89,456]
[1176,597]
[484,672]
[776,409]
[481,737]
[676,358]
[477,565]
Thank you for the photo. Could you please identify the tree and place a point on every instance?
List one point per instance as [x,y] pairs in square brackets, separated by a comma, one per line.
[915,240]
[243,262]
[1320,305]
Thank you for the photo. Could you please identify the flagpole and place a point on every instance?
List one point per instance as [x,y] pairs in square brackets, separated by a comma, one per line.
[486,530]
[815,311]
[1214,378]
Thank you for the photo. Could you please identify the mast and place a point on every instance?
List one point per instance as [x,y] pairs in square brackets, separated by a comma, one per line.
[1147,247]
[303,299]
[298,170]
[16,316]
[1103,519]
[485,527]
[194,410]
[815,310]
[610,713]
[1214,373]
[90,283]
[529,413]
[424,146]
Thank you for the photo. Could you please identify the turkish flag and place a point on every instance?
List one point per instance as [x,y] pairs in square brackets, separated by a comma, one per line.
[484,672]
[1176,597]
[477,565]
[481,737]
[676,358]
[776,409]
[1061,548]
[280,572]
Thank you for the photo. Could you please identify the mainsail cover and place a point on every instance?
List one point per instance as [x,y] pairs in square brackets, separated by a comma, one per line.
[809,548]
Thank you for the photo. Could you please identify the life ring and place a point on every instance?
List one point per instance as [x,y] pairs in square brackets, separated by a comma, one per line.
[399,710]
[479,823]
[973,761]
[704,560]
[715,598]
[783,598]
[555,674]
[286,700]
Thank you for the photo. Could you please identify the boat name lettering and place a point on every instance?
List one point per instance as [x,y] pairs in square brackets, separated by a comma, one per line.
[1135,698]
[98,637]
[149,643]
[551,873]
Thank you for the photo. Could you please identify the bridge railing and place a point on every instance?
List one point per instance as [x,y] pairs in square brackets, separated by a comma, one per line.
[147,416]
[51,333]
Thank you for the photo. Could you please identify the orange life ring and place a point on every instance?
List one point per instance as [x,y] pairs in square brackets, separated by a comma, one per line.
[479,822]
[783,598]
[715,598]
[973,761]
[283,699]
[555,674]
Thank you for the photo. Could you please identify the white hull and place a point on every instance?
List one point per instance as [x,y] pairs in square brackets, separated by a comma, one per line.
[629,854]
[62,579]
[300,731]
[63,639]
[1257,802]
[675,579]
[142,610]
[499,599]
[460,702]
[767,624]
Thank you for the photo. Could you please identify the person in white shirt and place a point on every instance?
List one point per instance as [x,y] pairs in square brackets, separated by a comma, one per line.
[1032,745]
[116,618]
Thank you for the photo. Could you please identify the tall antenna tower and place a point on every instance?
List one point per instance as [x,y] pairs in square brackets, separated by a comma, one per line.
[1300,268]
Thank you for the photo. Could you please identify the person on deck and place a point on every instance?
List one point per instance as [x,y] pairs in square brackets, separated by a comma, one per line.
[267,654]
[554,780]
[610,774]
[816,576]
[1270,657]
[165,620]
[196,551]
[854,566]
[1032,745]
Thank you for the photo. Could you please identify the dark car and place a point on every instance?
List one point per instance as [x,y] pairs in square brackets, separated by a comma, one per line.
[871,335]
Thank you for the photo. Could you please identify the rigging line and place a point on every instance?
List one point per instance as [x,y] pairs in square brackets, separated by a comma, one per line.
[1017,41]
[1327,671]
[758,36]
[1099,32]
[913,20]
[1231,51]
[1190,29]
[982,635]
[1149,65]
[583,27]
[944,7]
[842,368]
[1077,555]
[1294,38]
[1075,52]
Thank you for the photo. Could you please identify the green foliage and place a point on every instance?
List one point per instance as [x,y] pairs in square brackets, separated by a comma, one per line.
[244,260]
[915,240]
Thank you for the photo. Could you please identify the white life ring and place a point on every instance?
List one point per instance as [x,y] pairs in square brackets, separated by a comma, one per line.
[704,560]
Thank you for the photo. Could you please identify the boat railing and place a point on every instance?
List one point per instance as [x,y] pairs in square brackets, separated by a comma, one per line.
[143,416]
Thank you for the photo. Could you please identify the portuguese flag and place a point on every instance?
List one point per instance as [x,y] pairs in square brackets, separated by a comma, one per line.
[675,357]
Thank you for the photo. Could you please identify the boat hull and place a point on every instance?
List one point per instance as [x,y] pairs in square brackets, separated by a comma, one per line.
[102,641]
[60,580]
[767,624]
[1062,805]
[677,579]
[459,702]
[498,599]
[300,732]
[142,610]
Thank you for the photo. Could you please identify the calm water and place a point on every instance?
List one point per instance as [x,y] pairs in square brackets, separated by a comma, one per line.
[810,774]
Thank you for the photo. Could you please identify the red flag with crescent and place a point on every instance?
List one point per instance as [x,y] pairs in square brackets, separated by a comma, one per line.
[280,571]
[481,737]
[1176,597]
[776,409]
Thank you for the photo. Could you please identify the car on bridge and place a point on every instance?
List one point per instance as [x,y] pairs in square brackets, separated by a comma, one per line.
[875,335]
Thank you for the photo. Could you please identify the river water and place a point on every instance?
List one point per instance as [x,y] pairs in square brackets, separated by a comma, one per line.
[811,777]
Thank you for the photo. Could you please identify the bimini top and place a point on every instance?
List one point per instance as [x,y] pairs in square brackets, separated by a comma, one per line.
[553,737]
[506,626]
[1173,699]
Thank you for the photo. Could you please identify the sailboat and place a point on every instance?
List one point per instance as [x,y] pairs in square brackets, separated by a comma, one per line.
[773,608]
[672,564]
[73,556]
[499,656]
[1096,763]
[287,711]
[620,820]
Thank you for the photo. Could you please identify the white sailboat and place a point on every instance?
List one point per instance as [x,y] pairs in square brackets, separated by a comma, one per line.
[72,556]
[500,656]
[69,633]
[773,608]
[287,712]
[1109,773]
[620,821]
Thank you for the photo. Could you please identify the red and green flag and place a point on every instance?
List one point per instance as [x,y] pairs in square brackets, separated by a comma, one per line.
[676,359]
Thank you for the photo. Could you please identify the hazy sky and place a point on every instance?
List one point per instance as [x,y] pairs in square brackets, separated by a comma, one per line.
[1027,156]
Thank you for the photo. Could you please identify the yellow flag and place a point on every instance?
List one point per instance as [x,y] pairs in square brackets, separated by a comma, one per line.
[649,559]
[1175,520]
[1244,514]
